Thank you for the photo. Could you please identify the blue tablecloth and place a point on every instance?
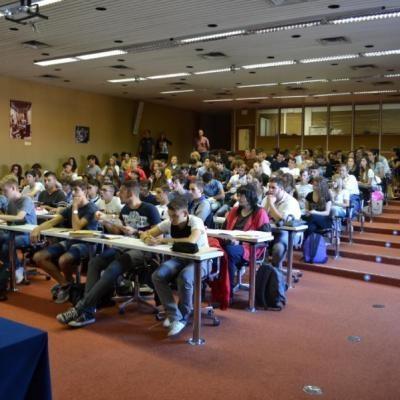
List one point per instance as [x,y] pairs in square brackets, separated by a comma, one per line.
[24,362]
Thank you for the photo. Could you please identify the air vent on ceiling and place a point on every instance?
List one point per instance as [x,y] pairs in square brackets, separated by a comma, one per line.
[222,93]
[159,98]
[363,66]
[333,40]
[254,102]
[295,88]
[394,95]
[213,55]
[49,76]
[119,66]
[35,44]
[178,84]
[382,83]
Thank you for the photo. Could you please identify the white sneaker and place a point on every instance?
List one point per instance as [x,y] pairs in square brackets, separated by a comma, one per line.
[176,327]
[19,275]
[166,323]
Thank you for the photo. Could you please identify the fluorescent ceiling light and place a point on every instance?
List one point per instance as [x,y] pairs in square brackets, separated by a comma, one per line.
[271,64]
[56,61]
[257,85]
[340,79]
[392,75]
[213,36]
[306,81]
[382,53]
[288,27]
[365,18]
[290,97]
[215,71]
[329,58]
[376,91]
[101,54]
[177,75]
[331,94]
[252,98]
[177,91]
[215,100]
[135,79]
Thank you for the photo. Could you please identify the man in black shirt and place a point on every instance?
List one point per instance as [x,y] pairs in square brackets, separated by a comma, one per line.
[135,217]
[52,197]
[146,147]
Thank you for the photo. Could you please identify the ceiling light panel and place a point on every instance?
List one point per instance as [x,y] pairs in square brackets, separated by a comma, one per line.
[135,79]
[166,76]
[251,98]
[257,85]
[216,71]
[329,58]
[56,61]
[382,53]
[306,81]
[331,94]
[268,65]
[287,27]
[375,91]
[365,18]
[290,97]
[177,91]
[392,76]
[214,36]
[101,54]
[216,100]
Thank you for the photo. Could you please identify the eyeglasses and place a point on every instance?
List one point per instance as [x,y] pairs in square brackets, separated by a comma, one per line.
[105,190]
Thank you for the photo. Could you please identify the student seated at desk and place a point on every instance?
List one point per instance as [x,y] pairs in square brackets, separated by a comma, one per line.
[32,188]
[20,210]
[248,216]
[52,196]
[109,203]
[199,206]
[67,253]
[162,197]
[181,227]
[135,216]
[279,205]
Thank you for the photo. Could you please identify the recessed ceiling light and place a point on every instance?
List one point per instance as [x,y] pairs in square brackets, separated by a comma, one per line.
[382,53]
[212,25]
[178,91]
[216,100]
[340,79]
[271,64]
[328,58]
[165,76]
[376,92]
[307,81]
[42,3]
[334,6]
[331,94]
[56,61]
[365,18]
[392,75]
[251,98]
[296,36]
[101,54]
[287,27]
[291,97]
[214,71]
[213,36]
[134,79]
[240,86]
[101,8]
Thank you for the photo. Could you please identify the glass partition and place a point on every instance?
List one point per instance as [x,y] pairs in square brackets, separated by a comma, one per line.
[340,120]
[315,127]
[390,126]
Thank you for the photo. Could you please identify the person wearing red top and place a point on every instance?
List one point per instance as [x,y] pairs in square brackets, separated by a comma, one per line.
[248,216]
[135,168]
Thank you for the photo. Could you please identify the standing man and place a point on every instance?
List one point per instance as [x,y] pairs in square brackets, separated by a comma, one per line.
[202,145]
[146,148]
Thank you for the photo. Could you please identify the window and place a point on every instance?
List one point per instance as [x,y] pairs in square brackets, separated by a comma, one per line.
[315,121]
[340,120]
[391,119]
[291,121]
[366,119]
[268,122]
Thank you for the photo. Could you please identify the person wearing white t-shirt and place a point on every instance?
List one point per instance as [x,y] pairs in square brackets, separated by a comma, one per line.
[367,179]
[109,204]
[351,185]
[302,189]
[162,197]
[291,168]
[33,188]
[279,205]
[340,197]
[181,228]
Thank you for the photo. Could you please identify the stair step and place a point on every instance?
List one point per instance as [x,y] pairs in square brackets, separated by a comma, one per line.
[366,270]
[379,227]
[387,218]
[391,209]
[373,239]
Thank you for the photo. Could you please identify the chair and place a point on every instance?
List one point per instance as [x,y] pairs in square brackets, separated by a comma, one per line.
[333,235]
[28,263]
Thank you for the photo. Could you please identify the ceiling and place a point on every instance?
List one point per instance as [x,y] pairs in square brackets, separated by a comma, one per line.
[76,27]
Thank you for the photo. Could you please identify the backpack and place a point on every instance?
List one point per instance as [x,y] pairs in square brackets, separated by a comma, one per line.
[270,288]
[314,249]
[4,279]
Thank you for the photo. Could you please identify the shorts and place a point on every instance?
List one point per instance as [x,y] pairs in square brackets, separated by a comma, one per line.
[76,249]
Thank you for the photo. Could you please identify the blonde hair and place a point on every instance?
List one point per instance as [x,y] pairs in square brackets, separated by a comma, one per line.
[9,180]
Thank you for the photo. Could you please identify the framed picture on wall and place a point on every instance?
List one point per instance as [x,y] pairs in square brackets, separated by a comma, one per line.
[82,134]
[20,120]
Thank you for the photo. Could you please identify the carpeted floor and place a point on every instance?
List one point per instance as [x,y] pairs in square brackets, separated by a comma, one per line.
[266,355]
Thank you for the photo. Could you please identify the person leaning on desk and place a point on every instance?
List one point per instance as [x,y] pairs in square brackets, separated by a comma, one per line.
[20,210]
[67,253]
[182,228]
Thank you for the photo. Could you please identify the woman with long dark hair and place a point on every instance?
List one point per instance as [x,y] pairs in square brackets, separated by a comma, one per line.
[248,216]
[367,181]
[318,206]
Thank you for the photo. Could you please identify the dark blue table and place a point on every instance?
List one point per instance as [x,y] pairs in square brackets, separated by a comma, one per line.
[24,362]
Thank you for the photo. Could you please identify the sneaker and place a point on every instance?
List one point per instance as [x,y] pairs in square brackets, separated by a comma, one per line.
[166,323]
[146,290]
[54,290]
[84,319]
[62,295]
[68,316]
[19,275]
[176,327]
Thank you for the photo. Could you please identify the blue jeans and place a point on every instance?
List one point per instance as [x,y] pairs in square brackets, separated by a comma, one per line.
[183,271]
[21,241]
[235,260]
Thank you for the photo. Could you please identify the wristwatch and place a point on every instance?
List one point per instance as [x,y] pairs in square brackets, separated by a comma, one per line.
[75,212]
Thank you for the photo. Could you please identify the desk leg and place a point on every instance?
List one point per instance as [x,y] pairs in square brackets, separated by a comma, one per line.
[289,260]
[196,340]
[252,291]
[11,254]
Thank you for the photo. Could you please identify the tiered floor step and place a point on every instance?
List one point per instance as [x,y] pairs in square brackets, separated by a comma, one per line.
[391,241]
[379,227]
[388,218]
[391,209]
[368,271]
